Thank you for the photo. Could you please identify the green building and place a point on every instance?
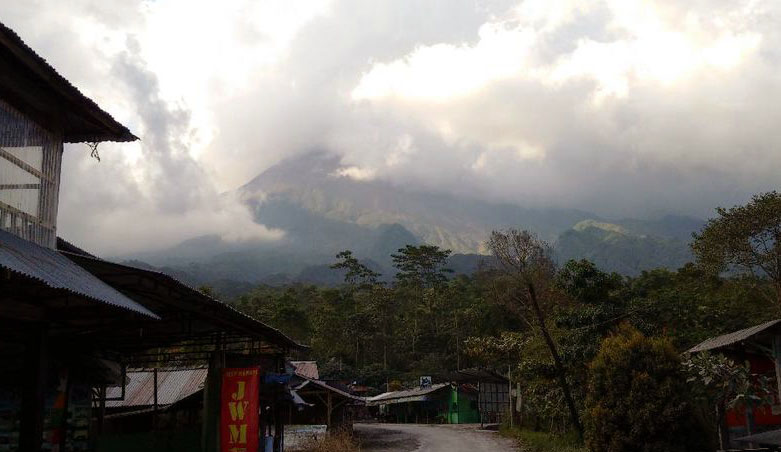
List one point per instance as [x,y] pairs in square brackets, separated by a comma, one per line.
[436,404]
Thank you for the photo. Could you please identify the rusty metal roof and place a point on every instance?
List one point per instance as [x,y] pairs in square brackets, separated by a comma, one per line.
[732,338]
[56,271]
[172,386]
[307,369]
[34,87]
[323,385]
[410,395]
[110,272]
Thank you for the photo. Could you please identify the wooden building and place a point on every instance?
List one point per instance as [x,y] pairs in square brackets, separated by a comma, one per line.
[760,347]
[73,325]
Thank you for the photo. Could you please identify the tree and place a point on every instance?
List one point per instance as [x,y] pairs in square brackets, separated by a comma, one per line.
[527,260]
[638,398]
[422,272]
[745,239]
[421,266]
[361,280]
[357,274]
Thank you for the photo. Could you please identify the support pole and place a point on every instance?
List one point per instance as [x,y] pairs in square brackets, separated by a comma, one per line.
[777,362]
[210,440]
[33,391]
[510,393]
[154,416]
[330,408]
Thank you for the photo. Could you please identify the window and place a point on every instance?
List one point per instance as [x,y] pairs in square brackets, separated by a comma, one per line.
[30,160]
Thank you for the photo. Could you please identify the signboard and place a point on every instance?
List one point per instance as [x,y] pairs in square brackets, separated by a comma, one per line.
[239,410]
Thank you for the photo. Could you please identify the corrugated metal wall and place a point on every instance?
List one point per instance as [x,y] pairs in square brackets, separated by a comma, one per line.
[30,160]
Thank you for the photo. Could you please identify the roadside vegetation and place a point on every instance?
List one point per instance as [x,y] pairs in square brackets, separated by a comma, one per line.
[531,441]
[339,442]
[569,332]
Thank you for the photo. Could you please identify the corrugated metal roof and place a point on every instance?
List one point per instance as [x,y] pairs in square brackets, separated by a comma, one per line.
[84,120]
[56,271]
[732,338]
[172,386]
[307,369]
[271,333]
[410,395]
[328,387]
[770,438]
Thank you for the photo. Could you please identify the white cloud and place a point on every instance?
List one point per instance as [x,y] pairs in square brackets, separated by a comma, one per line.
[617,106]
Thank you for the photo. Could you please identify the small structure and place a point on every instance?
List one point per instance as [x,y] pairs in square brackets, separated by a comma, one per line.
[442,403]
[50,308]
[760,346]
[325,403]
[494,397]
[73,325]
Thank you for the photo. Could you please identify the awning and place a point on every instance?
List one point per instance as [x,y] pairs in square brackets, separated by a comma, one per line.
[737,337]
[58,272]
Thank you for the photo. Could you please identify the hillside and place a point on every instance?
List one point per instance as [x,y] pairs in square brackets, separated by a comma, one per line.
[323,212]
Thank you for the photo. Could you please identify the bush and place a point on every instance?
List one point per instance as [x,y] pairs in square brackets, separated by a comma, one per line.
[638,398]
[337,442]
[545,442]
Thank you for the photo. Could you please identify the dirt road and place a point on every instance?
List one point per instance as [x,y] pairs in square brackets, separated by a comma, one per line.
[430,438]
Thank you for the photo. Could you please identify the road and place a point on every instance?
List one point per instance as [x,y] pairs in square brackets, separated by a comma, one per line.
[430,438]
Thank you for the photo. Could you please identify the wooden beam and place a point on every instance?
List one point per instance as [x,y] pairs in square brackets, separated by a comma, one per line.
[24,165]
[20,186]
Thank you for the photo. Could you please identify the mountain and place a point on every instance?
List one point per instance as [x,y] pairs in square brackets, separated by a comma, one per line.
[623,247]
[323,211]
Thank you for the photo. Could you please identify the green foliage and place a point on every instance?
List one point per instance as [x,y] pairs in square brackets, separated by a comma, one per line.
[638,398]
[356,272]
[421,266]
[718,380]
[745,239]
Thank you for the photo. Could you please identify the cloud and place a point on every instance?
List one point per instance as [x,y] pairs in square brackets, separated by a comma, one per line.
[621,107]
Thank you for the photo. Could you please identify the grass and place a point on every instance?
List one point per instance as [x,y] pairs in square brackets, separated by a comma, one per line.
[338,442]
[531,441]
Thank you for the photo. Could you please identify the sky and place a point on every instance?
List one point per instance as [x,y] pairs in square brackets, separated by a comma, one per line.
[620,107]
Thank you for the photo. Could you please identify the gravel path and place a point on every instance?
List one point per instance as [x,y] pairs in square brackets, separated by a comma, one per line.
[430,438]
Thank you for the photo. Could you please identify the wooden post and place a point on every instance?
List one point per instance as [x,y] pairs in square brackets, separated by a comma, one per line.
[154,402]
[33,391]
[510,392]
[777,362]
[329,407]
[210,434]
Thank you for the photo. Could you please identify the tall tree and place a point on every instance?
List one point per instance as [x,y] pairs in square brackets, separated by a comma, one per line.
[357,273]
[361,280]
[421,270]
[745,239]
[526,259]
[421,266]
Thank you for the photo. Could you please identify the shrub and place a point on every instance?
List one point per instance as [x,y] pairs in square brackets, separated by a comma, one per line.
[545,442]
[337,442]
[638,399]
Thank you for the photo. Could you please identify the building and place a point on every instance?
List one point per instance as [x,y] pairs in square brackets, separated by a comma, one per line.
[493,393]
[324,403]
[75,329]
[760,346]
[442,403]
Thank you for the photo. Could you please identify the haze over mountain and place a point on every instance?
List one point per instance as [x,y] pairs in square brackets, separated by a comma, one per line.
[323,208]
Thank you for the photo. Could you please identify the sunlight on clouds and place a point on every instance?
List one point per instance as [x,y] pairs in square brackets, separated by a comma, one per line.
[443,71]
[649,49]
[356,173]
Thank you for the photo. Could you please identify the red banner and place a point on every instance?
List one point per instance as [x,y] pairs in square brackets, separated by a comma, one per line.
[239,410]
